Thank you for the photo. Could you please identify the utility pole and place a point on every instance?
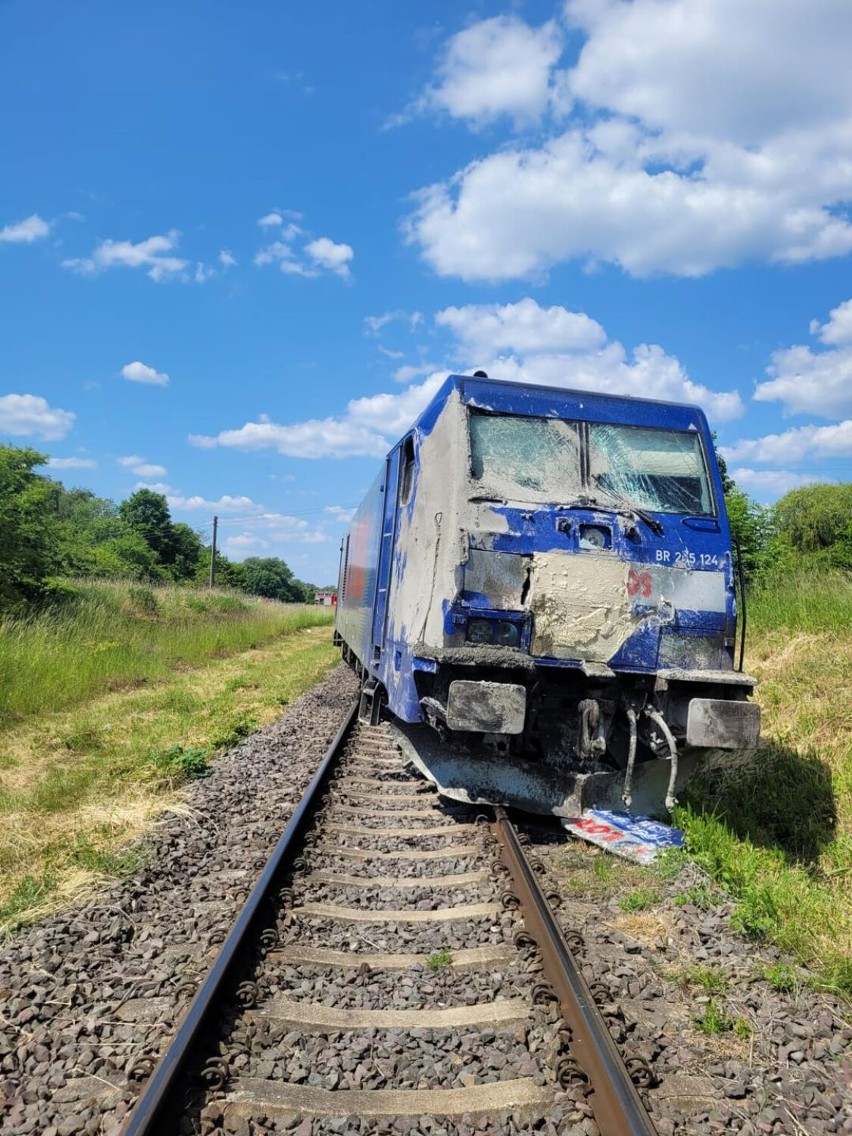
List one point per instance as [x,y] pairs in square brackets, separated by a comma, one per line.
[213,554]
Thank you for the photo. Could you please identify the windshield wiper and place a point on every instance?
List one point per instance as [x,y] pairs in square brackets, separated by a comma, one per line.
[623,506]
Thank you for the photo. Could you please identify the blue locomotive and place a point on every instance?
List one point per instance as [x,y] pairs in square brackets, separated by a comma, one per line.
[539,588]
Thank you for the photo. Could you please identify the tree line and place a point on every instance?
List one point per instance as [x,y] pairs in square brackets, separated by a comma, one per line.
[809,528]
[48,531]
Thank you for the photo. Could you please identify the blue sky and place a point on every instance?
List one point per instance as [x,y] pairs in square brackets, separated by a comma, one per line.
[240,245]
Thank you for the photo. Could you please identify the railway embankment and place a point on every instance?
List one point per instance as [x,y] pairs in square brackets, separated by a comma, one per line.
[774,828]
[113,700]
[90,990]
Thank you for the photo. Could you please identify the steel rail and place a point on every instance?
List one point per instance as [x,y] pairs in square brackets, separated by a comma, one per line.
[157,1110]
[617,1106]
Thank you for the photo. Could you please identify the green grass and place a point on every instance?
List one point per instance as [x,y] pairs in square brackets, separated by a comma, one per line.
[715,1019]
[774,828]
[782,977]
[708,978]
[810,600]
[439,959]
[27,895]
[78,784]
[640,899]
[699,895]
[108,636]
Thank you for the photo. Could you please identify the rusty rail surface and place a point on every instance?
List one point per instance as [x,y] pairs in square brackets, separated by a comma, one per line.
[157,1109]
[617,1106]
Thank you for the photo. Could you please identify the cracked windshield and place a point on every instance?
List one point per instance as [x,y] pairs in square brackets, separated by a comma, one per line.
[526,458]
[660,470]
[539,459]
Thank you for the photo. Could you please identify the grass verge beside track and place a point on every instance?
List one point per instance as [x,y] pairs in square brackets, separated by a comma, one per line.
[105,635]
[78,784]
[775,827]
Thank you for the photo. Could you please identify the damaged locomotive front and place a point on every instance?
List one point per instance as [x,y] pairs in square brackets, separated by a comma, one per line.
[546,603]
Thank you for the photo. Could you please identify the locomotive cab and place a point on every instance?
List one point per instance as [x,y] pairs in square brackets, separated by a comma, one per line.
[540,588]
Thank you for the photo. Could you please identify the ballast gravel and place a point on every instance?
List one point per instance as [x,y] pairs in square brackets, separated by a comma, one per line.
[91,992]
[773,1064]
[416,989]
[369,935]
[416,899]
[405,1058]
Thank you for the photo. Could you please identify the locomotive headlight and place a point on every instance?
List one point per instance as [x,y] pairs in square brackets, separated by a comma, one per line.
[499,632]
[506,634]
[479,631]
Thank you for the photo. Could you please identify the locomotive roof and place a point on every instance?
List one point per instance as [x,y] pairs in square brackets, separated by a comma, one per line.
[559,402]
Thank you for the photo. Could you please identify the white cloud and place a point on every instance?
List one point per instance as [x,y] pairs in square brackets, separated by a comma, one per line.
[376,323]
[794,445]
[496,67]
[768,484]
[837,330]
[227,259]
[71,463]
[244,542]
[371,424]
[390,415]
[705,133]
[815,382]
[30,414]
[485,329]
[260,528]
[313,258]
[333,257]
[225,504]
[31,229]
[137,372]
[278,250]
[339,513]
[151,254]
[715,68]
[316,438]
[519,212]
[408,372]
[203,273]
[141,467]
[524,342]
[155,487]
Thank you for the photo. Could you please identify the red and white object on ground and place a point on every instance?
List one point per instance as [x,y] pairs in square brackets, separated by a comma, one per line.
[636,838]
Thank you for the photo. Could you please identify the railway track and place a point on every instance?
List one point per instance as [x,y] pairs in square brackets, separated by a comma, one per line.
[397,967]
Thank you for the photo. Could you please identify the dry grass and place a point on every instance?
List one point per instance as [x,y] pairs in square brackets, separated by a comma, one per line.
[646,927]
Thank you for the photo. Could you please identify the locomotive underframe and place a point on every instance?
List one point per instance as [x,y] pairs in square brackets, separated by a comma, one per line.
[572,747]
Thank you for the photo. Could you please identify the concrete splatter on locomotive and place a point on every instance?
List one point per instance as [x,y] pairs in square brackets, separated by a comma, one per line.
[539,589]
